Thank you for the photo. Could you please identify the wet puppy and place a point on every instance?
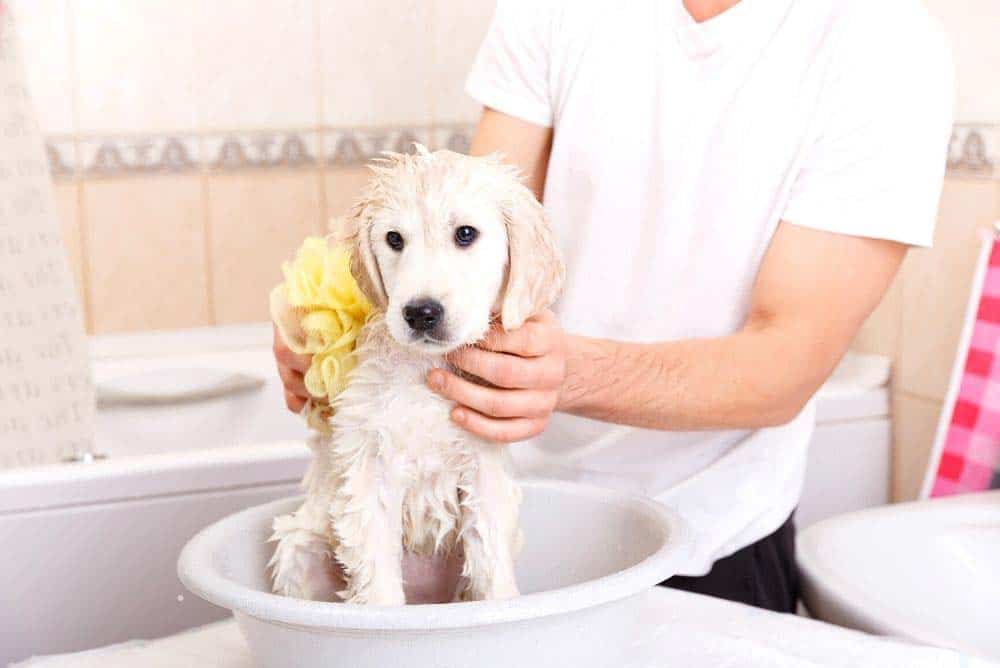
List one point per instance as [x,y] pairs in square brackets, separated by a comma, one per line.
[443,244]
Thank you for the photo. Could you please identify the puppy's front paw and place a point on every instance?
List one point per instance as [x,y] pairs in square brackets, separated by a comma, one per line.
[302,565]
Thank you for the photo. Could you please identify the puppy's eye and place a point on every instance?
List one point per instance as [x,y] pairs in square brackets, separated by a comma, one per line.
[395,240]
[465,235]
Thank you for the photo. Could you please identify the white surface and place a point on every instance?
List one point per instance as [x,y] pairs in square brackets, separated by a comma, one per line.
[165,364]
[83,576]
[925,571]
[673,630]
[849,457]
[848,468]
[857,389]
[254,416]
[587,551]
[174,385]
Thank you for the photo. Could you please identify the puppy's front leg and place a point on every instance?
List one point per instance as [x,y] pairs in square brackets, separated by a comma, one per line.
[302,565]
[491,537]
[366,516]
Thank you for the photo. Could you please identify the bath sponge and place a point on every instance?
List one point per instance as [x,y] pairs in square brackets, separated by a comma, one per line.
[319,310]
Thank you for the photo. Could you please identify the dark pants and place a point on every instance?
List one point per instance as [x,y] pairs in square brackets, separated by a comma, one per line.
[763,574]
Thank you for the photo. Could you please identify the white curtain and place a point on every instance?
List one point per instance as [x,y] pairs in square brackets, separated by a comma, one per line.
[46,395]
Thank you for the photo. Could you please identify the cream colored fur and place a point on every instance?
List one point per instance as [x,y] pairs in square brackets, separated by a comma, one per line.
[396,474]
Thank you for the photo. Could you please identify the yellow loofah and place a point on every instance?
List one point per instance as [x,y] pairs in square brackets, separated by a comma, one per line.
[319,310]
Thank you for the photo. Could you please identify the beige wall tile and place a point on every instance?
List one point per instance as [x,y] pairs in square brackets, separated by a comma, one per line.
[257,220]
[42,27]
[375,60]
[914,424]
[458,30]
[67,208]
[259,66]
[971,25]
[147,255]
[138,65]
[936,285]
[343,188]
[880,333]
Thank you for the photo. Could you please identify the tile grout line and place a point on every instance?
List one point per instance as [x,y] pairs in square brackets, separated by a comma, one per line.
[896,389]
[917,395]
[205,194]
[206,240]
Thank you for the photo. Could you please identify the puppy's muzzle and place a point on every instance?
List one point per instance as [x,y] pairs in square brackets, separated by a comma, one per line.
[423,315]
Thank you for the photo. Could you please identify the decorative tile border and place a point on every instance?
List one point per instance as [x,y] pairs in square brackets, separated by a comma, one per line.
[261,150]
[974,150]
[62,158]
[110,156]
[121,156]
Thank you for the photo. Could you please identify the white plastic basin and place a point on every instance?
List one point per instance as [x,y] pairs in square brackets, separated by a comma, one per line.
[924,571]
[588,553]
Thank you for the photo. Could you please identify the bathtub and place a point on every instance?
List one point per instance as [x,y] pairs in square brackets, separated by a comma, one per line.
[90,548]
[192,427]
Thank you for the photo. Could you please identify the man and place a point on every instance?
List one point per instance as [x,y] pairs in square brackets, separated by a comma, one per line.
[734,186]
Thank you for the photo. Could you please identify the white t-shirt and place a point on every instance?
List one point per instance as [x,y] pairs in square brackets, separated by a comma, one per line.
[678,147]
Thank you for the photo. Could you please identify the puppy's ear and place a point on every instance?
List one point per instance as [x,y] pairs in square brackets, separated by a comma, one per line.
[355,231]
[535,269]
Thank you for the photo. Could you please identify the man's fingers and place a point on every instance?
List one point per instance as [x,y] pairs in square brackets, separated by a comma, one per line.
[293,381]
[294,402]
[289,359]
[510,371]
[498,430]
[530,340]
[286,357]
[533,339]
[491,401]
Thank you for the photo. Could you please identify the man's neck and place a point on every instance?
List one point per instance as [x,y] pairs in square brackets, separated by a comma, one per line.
[703,10]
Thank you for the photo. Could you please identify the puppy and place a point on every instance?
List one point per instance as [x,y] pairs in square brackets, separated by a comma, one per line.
[443,244]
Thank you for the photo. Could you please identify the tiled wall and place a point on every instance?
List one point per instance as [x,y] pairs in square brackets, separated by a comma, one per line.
[195,143]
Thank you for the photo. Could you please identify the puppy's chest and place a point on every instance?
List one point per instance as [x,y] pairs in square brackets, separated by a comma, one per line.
[388,395]
[420,451]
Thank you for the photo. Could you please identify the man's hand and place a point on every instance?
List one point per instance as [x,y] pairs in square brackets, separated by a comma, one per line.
[527,367]
[291,368]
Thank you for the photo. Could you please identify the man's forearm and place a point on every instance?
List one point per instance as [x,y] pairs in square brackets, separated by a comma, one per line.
[755,378]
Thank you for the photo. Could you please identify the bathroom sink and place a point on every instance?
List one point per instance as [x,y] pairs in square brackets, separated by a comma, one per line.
[923,571]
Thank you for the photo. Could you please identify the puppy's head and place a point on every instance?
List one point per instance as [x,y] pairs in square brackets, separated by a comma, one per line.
[443,242]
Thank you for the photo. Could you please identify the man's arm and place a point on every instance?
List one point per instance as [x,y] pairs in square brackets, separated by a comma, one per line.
[813,292]
[521,143]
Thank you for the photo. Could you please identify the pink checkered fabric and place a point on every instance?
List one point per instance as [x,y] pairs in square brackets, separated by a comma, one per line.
[970,460]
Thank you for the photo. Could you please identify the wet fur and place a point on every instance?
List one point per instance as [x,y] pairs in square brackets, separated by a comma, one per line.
[395,473]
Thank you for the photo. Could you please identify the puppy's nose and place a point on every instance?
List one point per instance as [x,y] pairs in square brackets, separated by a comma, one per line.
[423,314]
